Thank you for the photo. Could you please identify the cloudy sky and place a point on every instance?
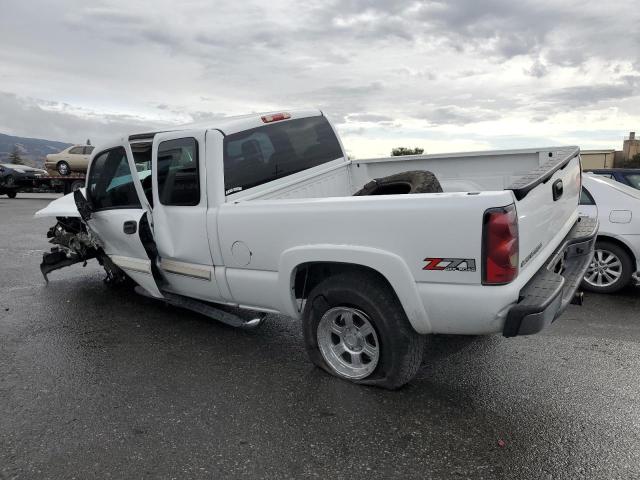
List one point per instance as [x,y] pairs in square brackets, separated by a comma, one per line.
[450,75]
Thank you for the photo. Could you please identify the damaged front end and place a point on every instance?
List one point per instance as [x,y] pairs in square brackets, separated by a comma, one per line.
[74,243]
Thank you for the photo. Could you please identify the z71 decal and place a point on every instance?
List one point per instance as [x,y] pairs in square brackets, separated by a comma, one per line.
[450,264]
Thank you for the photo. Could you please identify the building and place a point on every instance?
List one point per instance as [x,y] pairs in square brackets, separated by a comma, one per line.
[598,158]
[630,147]
[611,158]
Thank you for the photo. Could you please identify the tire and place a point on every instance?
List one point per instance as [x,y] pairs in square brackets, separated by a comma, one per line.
[399,347]
[613,261]
[12,194]
[417,181]
[63,168]
[76,185]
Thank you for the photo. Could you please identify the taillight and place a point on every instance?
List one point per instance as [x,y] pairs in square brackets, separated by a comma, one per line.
[500,245]
[276,117]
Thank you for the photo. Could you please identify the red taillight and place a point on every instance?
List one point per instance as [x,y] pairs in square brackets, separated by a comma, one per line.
[275,117]
[500,246]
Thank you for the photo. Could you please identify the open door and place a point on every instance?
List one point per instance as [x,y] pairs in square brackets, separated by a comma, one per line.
[119,213]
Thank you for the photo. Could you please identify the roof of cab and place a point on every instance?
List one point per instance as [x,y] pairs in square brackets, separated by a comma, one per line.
[233,124]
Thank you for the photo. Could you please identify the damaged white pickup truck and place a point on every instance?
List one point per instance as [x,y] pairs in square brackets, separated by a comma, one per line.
[266,213]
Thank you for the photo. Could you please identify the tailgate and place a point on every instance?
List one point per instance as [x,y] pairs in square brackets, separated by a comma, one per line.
[547,202]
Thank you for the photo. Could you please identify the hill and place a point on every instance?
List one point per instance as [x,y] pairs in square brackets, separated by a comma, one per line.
[32,150]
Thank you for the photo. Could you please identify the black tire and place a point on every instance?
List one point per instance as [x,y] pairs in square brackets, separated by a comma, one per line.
[625,275]
[12,194]
[400,346]
[76,185]
[63,168]
[417,181]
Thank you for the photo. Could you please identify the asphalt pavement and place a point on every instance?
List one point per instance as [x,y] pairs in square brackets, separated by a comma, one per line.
[98,382]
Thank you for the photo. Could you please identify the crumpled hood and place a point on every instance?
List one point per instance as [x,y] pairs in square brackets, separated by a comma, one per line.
[60,207]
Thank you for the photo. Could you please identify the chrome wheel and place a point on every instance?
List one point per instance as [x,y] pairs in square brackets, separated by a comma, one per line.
[605,269]
[348,342]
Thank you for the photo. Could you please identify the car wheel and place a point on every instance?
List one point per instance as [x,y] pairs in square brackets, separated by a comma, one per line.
[63,168]
[610,270]
[361,334]
[12,194]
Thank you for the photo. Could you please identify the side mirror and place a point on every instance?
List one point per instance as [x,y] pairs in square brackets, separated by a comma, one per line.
[83,205]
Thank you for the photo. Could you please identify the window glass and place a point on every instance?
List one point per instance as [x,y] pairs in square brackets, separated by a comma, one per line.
[633,179]
[88,150]
[263,154]
[76,150]
[586,198]
[178,177]
[110,183]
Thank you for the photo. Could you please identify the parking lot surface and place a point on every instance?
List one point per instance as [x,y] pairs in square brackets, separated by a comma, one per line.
[102,383]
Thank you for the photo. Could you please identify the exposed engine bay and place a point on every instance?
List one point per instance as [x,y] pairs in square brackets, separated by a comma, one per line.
[74,243]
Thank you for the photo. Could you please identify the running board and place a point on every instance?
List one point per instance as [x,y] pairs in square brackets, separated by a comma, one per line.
[246,319]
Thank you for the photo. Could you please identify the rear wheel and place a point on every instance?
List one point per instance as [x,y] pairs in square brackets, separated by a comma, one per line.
[610,270]
[12,194]
[63,168]
[356,329]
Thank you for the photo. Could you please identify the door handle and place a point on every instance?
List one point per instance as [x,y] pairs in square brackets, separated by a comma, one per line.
[558,189]
[130,227]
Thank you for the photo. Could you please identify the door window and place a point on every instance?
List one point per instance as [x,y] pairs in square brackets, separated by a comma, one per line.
[586,198]
[178,175]
[633,179]
[110,184]
[76,151]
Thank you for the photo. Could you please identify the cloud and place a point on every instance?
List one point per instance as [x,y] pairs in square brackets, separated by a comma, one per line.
[375,67]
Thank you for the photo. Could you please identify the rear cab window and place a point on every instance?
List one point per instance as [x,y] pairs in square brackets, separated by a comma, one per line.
[266,153]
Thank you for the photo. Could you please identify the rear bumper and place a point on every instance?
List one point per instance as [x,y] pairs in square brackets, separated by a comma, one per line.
[553,287]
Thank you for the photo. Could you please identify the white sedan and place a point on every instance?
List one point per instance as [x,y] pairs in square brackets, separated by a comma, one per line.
[616,261]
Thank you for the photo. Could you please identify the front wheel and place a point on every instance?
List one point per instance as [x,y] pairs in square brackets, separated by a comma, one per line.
[610,269]
[12,194]
[356,329]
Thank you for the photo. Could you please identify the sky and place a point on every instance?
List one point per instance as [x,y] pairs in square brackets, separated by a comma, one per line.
[454,75]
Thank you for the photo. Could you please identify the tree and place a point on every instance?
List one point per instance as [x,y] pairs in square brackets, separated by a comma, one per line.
[14,156]
[634,162]
[399,151]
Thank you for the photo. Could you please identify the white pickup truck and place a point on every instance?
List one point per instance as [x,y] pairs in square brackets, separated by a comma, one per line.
[257,214]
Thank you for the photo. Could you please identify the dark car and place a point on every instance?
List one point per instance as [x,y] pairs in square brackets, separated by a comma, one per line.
[13,177]
[628,176]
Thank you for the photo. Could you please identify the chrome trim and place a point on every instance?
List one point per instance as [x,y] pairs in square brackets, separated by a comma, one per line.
[201,272]
[133,264]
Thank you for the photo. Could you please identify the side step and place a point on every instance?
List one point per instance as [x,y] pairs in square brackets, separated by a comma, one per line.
[246,319]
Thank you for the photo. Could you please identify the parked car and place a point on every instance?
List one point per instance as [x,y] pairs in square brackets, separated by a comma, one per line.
[627,176]
[266,213]
[72,159]
[616,261]
[13,177]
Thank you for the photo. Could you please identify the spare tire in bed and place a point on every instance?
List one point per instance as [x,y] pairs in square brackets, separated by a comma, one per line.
[416,181]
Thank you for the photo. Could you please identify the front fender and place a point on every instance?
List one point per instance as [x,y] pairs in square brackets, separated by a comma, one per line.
[390,266]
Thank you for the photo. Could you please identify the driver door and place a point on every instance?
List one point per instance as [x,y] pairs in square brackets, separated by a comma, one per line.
[120,214]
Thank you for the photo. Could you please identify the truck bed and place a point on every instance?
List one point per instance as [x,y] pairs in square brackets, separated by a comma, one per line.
[457,172]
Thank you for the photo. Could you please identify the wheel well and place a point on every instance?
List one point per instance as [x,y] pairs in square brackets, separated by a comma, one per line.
[307,275]
[622,245]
